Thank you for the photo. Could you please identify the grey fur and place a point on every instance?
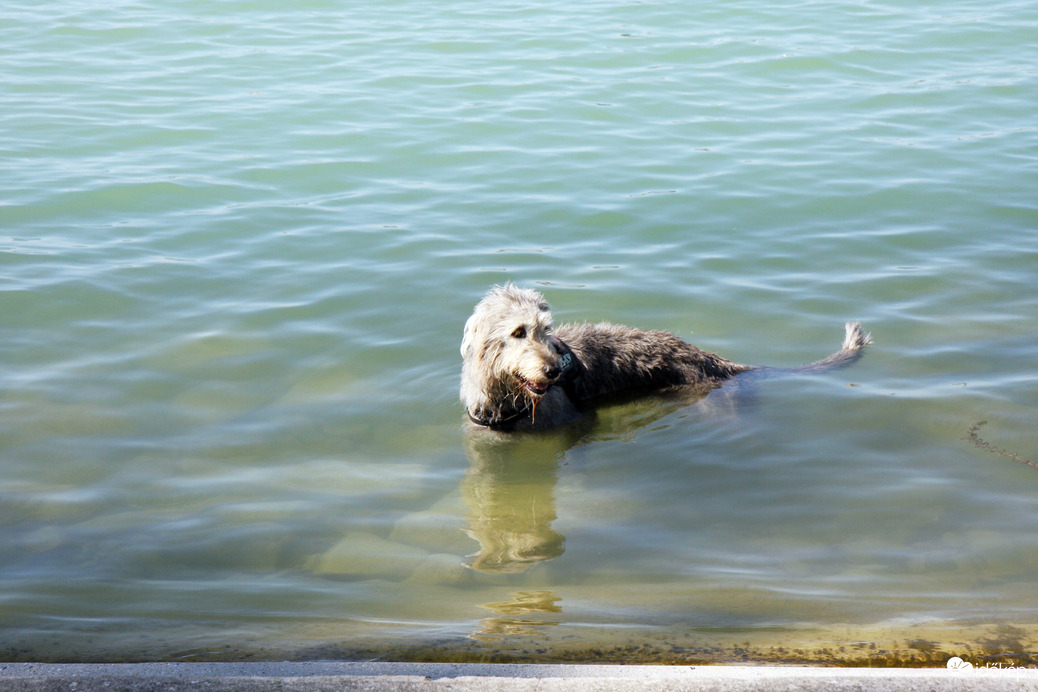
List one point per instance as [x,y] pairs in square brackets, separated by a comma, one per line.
[514,374]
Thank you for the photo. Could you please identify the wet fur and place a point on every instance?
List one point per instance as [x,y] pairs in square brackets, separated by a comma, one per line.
[512,362]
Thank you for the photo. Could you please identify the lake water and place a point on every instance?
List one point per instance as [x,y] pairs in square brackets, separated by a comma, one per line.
[239,240]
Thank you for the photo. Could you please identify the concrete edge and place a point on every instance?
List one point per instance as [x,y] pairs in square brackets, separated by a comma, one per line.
[260,677]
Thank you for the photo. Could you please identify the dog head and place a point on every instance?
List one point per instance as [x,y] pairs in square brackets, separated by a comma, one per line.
[510,358]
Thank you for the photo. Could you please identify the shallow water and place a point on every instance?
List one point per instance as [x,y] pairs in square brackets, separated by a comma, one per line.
[238,243]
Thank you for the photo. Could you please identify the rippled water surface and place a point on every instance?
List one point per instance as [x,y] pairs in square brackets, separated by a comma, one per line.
[239,240]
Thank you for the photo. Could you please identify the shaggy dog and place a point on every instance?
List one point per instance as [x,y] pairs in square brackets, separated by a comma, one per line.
[521,373]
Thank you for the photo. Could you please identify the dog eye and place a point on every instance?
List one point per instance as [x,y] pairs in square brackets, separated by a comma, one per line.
[519,333]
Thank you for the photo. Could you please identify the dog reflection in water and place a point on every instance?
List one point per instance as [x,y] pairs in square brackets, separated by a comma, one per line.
[510,493]
[519,616]
[509,488]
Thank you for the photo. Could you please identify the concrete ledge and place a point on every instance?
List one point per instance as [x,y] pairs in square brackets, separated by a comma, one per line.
[421,677]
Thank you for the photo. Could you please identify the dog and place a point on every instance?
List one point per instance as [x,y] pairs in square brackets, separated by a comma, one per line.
[521,373]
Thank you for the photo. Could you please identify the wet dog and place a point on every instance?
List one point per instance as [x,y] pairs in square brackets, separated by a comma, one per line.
[520,372]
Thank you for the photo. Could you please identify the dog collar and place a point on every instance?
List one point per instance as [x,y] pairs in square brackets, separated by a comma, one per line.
[570,366]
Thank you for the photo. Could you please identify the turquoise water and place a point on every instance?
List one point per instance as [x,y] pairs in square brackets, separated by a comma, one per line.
[239,240]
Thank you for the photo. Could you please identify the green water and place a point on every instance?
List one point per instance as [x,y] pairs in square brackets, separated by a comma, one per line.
[238,243]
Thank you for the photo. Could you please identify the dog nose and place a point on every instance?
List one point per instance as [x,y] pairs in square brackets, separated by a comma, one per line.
[551,371]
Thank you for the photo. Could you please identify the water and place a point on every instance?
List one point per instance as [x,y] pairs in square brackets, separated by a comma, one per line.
[239,242]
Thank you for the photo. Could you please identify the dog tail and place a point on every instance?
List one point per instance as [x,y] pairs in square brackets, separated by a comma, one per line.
[854,342]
